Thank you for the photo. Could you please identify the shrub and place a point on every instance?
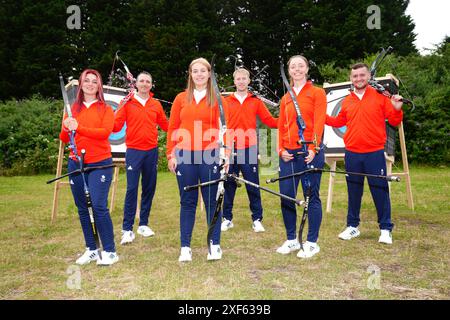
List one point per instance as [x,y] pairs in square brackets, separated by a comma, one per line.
[29,136]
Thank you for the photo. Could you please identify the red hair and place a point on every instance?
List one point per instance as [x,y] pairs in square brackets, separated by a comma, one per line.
[80,94]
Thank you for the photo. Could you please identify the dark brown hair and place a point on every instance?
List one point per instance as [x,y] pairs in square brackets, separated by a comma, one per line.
[360,65]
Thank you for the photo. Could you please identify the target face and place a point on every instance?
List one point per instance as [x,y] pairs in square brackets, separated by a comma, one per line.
[333,137]
[338,131]
[117,138]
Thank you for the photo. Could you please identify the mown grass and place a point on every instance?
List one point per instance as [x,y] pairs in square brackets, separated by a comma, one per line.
[35,255]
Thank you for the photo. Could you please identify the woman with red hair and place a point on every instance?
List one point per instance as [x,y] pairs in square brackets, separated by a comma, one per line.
[92,121]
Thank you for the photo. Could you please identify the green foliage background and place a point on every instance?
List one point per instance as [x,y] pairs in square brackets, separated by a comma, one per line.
[29,135]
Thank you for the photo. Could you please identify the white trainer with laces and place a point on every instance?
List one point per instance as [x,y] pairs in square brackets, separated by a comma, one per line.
[349,233]
[226,224]
[145,231]
[385,237]
[185,255]
[289,246]
[127,237]
[309,249]
[87,257]
[257,226]
[108,258]
[216,252]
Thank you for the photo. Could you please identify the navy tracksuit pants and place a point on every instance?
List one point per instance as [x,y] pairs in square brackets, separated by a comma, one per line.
[194,167]
[370,163]
[289,188]
[245,161]
[98,182]
[137,162]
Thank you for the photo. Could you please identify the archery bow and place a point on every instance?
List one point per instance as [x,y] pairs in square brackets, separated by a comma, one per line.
[222,158]
[375,84]
[255,79]
[316,170]
[301,128]
[131,80]
[73,146]
[300,122]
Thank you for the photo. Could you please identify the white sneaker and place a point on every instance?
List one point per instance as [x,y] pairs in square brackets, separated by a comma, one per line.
[87,257]
[289,246]
[309,249]
[385,237]
[127,237]
[145,231]
[226,224]
[257,226]
[108,258]
[349,233]
[185,255]
[216,252]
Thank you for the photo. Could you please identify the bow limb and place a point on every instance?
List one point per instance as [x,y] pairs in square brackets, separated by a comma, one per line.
[80,160]
[301,128]
[222,158]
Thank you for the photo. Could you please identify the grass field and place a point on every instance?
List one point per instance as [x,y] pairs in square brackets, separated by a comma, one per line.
[37,257]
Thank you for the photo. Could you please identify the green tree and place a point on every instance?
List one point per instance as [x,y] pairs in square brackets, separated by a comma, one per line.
[266,32]
[171,35]
[43,49]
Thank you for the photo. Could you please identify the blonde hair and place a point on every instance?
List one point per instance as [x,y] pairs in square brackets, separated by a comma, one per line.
[241,70]
[210,100]
[291,82]
[146,73]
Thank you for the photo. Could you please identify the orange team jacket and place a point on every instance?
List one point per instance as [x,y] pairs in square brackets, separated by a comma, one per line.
[94,128]
[313,105]
[242,119]
[365,120]
[193,126]
[142,121]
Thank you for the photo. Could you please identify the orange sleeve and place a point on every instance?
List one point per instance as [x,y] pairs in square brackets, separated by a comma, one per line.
[265,116]
[162,121]
[320,111]
[281,127]
[120,116]
[104,130]
[174,124]
[339,121]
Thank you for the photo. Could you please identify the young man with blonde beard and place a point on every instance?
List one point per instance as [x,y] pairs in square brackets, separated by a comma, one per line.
[244,107]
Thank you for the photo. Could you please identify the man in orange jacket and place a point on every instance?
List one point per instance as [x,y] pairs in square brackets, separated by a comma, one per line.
[243,108]
[364,112]
[142,115]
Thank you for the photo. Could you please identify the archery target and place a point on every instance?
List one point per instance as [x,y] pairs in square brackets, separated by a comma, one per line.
[333,137]
[116,139]
[113,96]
